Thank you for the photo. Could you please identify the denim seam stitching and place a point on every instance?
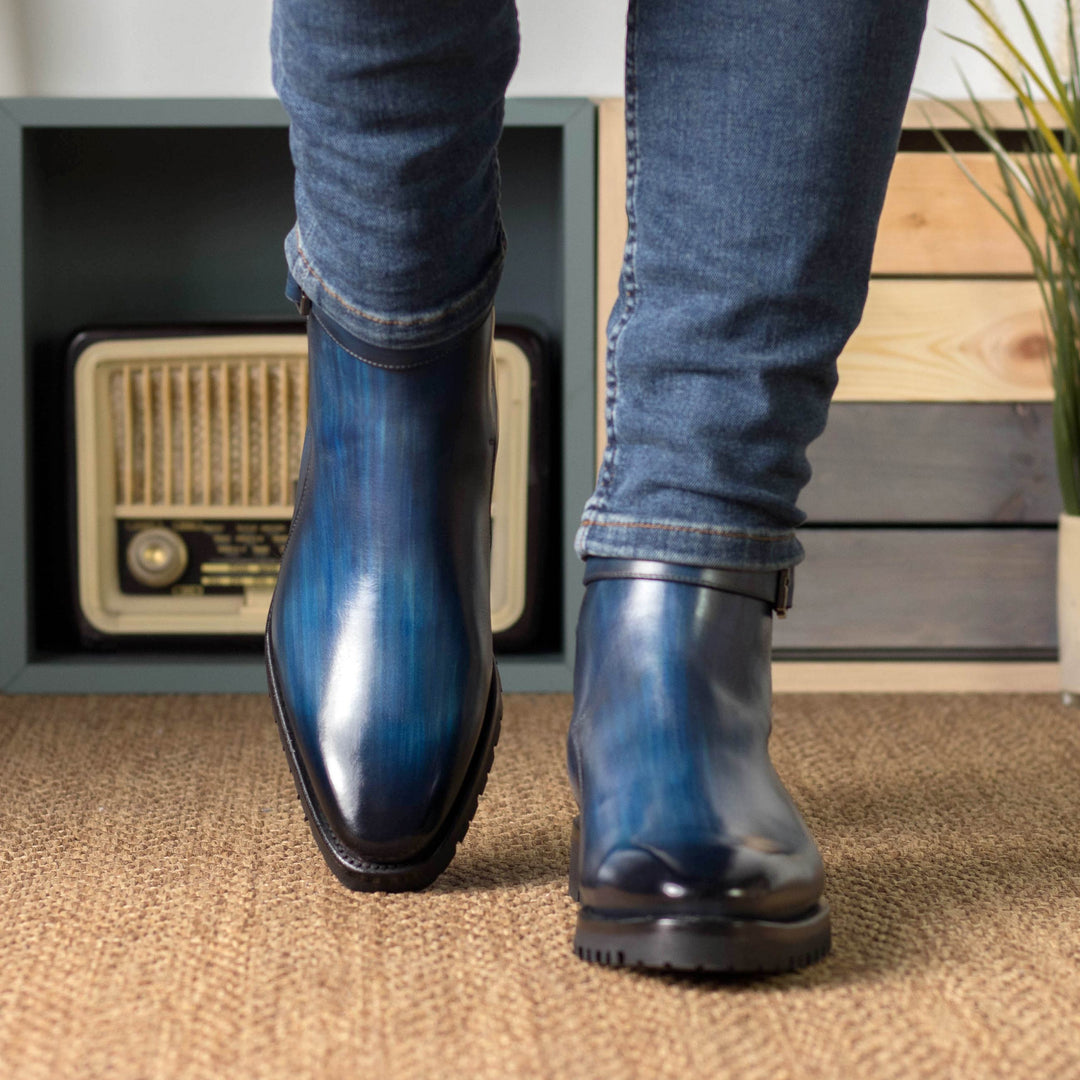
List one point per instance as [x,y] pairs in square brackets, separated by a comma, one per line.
[704,529]
[629,266]
[457,305]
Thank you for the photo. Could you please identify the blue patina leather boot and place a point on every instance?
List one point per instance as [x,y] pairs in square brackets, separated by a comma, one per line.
[378,644]
[688,852]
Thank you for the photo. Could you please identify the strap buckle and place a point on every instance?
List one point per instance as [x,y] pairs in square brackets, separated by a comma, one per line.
[297,295]
[784,583]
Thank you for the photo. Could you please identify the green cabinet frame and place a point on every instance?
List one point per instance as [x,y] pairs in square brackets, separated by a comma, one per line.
[557,209]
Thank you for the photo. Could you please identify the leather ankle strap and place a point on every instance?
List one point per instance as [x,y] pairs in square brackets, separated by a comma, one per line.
[774,587]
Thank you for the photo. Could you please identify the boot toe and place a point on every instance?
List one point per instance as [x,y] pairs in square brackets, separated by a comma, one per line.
[753,879]
[384,799]
[375,832]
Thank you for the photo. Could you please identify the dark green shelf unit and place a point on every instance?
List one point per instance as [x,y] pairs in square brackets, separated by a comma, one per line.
[166,211]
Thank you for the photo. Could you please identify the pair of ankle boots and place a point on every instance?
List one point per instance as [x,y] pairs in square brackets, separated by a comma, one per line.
[688,852]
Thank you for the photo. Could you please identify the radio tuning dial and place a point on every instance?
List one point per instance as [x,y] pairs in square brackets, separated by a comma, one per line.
[157,557]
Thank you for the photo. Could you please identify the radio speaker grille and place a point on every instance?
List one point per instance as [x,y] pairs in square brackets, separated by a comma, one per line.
[225,432]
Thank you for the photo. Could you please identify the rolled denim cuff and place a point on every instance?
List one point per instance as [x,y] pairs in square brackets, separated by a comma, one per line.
[392,331]
[713,546]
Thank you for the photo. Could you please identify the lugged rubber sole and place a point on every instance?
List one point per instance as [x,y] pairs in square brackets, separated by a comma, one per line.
[364,876]
[697,944]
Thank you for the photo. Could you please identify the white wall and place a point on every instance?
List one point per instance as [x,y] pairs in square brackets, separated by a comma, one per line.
[195,48]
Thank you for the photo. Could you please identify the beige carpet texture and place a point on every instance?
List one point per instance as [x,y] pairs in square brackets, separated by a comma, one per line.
[164,911]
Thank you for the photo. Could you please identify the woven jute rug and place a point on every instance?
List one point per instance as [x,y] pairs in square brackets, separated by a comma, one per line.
[164,911]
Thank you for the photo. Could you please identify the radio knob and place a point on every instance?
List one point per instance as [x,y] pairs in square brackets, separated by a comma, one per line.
[157,557]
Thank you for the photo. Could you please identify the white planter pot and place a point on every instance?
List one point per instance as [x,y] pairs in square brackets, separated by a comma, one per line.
[1069,605]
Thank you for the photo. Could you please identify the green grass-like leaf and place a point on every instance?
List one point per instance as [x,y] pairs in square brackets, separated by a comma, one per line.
[1041,180]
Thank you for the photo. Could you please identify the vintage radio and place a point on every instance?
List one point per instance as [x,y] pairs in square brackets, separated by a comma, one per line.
[187,448]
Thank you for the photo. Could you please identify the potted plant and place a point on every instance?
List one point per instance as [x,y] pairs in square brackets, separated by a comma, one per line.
[1040,199]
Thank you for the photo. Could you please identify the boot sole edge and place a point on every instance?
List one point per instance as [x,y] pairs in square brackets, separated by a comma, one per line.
[705,944]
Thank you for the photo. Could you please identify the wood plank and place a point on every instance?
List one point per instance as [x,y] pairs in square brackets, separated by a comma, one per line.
[934,463]
[920,115]
[913,676]
[926,589]
[948,340]
[935,222]
[1003,114]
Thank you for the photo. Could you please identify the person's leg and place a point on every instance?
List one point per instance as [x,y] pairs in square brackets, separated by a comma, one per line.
[396,110]
[379,649]
[760,136]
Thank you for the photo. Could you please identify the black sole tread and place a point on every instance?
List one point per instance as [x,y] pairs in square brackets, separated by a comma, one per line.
[621,959]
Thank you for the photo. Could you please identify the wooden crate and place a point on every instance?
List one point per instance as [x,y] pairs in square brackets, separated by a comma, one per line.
[931,515]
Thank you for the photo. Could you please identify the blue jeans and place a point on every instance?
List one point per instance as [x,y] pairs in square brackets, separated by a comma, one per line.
[760,135]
